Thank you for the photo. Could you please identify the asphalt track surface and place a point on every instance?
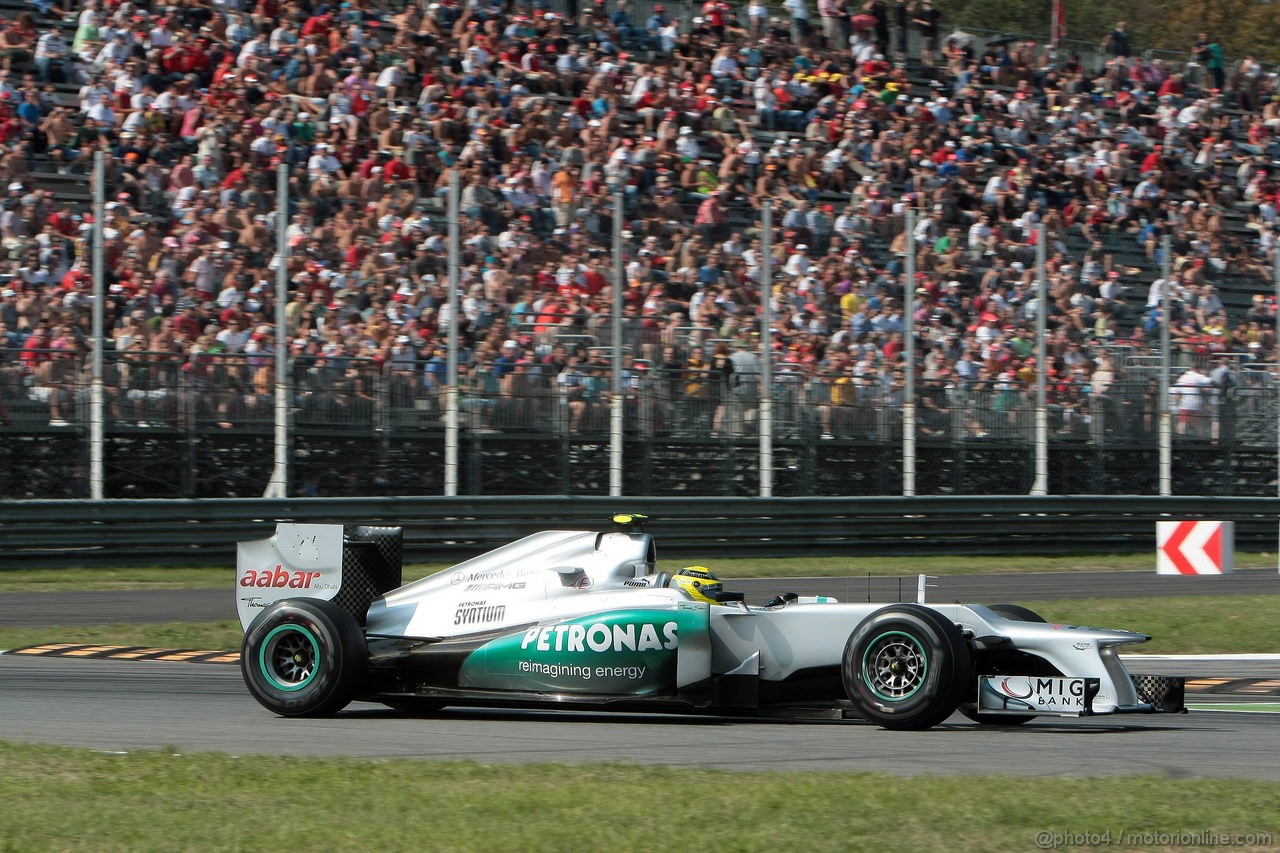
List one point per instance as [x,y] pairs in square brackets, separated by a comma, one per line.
[199,605]
[122,705]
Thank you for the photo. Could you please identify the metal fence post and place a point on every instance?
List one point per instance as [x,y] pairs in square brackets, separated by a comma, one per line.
[615,402]
[97,413]
[766,349]
[1166,364]
[1040,486]
[1275,387]
[451,367]
[278,487]
[382,408]
[909,374]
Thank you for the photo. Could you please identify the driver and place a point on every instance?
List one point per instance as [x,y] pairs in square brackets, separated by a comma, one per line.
[699,583]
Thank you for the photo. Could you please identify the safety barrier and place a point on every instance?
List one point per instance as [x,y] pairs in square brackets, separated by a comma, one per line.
[183,532]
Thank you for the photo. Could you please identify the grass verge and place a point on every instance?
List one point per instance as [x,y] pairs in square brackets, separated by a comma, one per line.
[69,579]
[69,799]
[214,636]
[1218,624]
[80,579]
[1242,707]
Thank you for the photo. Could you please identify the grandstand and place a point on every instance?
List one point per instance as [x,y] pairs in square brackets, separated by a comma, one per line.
[842,142]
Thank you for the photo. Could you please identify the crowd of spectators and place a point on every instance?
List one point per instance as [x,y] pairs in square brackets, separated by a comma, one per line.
[697,122]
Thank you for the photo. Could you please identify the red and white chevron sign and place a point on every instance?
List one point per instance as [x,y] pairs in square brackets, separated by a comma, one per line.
[1195,547]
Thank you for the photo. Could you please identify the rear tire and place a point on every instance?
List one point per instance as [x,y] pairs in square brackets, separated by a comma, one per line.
[906,667]
[1017,613]
[303,657]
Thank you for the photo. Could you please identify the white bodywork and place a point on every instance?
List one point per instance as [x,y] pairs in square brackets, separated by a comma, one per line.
[555,575]
[299,561]
[803,636]
[545,576]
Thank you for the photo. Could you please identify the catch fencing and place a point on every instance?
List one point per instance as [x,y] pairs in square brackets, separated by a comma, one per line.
[758,349]
[358,428]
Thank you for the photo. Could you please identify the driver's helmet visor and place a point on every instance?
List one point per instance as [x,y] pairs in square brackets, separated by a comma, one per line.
[711,589]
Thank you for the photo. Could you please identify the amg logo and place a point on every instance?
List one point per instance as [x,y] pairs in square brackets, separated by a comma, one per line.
[479,613]
[493,587]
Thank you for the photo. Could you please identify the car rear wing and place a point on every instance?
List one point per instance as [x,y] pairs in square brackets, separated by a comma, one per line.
[348,565]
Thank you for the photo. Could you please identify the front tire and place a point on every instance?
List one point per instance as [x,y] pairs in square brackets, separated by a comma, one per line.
[1016,613]
[303,657]
[906,667]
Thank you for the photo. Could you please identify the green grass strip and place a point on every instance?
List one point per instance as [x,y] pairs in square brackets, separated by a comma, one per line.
[17,579]
[1246,707]
[72,799]
[1178,625]
[213,636]
[1208,624]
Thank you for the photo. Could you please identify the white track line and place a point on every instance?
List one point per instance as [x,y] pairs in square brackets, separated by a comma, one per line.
[1213,709]
[1252,656]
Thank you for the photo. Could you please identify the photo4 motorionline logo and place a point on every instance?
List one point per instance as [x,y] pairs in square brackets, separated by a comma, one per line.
[1049,840]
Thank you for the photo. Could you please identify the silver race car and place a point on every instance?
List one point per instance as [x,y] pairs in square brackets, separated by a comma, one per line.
[583,619]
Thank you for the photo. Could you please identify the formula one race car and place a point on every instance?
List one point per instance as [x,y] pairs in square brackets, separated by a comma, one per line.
[583,619]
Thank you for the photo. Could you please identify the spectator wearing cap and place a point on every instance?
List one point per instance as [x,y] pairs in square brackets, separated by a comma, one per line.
[653,27]
[687,144]
[799,262]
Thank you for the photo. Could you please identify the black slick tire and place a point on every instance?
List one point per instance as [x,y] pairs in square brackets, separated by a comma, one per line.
[906,667]
[303,657]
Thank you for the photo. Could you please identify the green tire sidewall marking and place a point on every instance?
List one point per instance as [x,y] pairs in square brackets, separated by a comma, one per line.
[268,672]
[915,644]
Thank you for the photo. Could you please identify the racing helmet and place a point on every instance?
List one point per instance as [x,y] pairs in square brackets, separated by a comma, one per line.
[699,583]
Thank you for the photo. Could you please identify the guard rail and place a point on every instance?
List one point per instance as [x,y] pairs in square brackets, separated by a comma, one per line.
[440,529]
